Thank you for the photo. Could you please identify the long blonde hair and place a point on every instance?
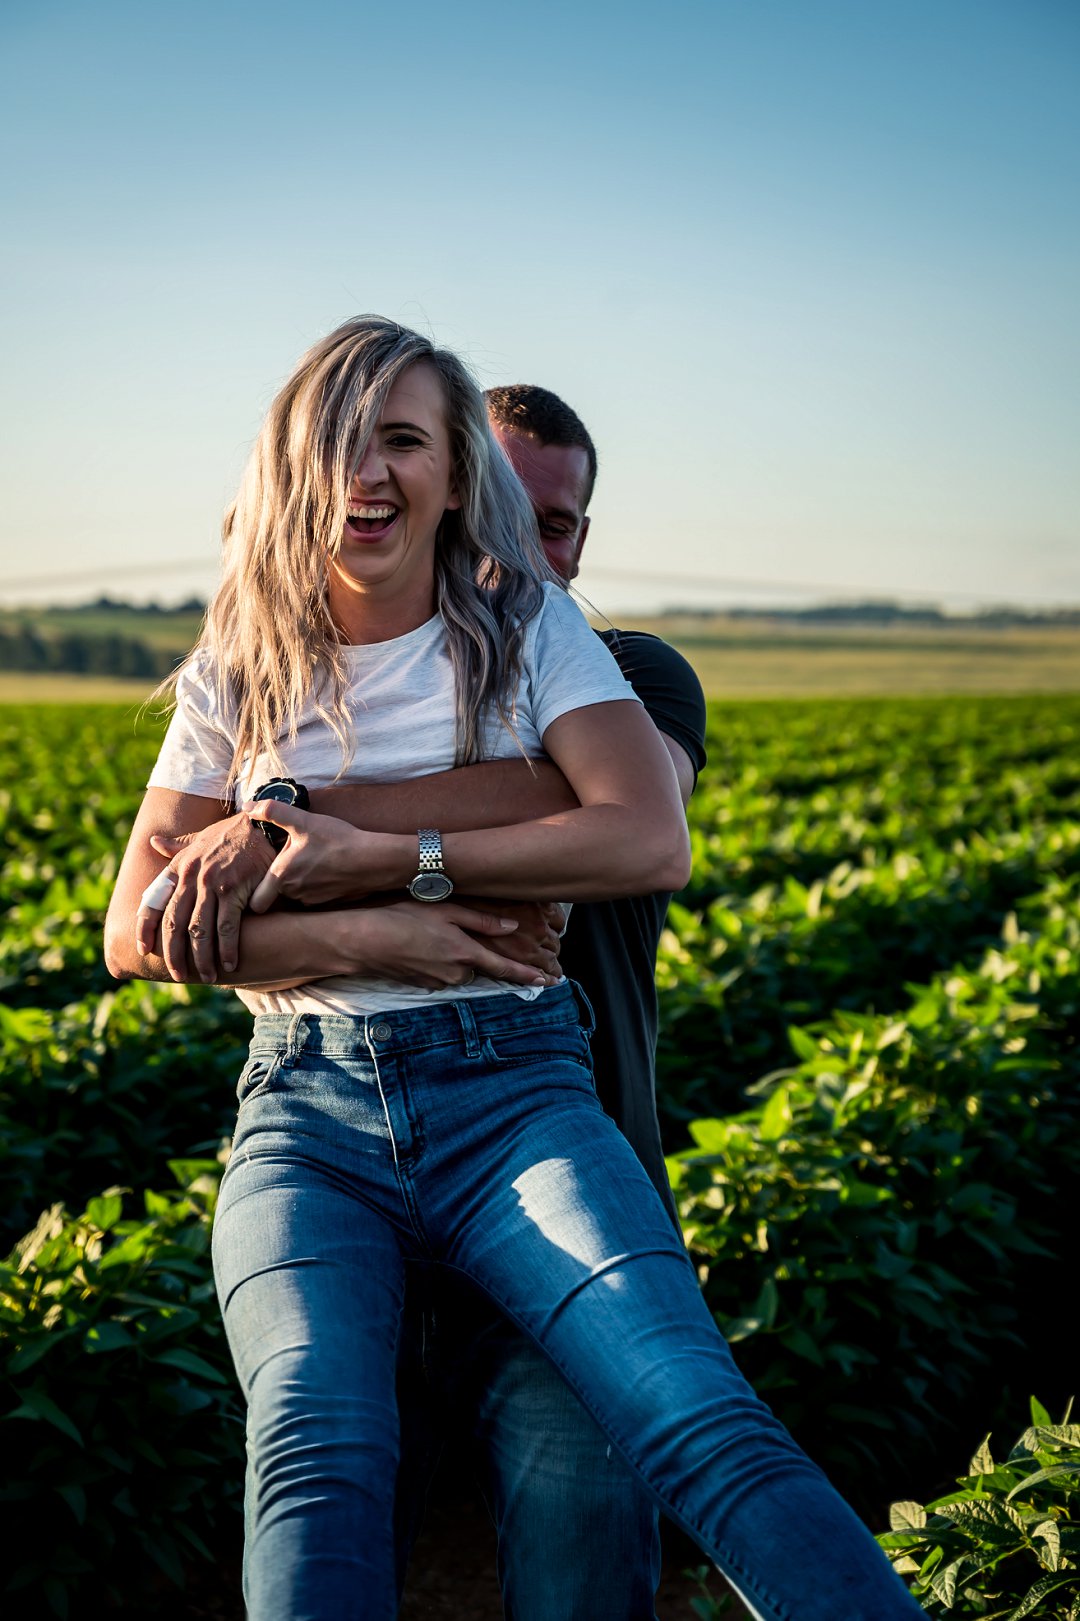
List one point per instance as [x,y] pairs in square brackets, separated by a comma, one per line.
[269,637]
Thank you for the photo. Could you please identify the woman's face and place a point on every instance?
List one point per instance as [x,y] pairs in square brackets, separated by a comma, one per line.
[398,496]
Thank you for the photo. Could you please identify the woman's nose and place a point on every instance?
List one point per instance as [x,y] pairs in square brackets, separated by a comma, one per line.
[370,472]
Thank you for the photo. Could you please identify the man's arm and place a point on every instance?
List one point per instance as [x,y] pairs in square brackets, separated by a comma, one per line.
[218,869]
[431,946]
[668,686]
[626,837]
[496,793]
[684,766]
[226,868]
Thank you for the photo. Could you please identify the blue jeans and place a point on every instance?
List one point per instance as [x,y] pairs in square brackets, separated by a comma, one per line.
[572,1519]
[469,1133]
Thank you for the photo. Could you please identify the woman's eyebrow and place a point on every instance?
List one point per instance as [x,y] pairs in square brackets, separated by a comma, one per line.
[413,427]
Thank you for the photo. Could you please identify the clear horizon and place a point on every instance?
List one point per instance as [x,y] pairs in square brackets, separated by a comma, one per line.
[807,273]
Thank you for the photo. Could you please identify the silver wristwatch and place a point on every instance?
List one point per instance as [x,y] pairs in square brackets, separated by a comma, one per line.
[430,883]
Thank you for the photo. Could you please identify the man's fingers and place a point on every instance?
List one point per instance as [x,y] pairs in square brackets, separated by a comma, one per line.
[170,844]
[147,923]
[230,911]
[493,966]
[174,934]
[155,897]
[202,937]
[479,922]
[268,890]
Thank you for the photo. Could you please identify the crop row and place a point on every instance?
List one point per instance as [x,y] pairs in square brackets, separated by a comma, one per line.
[869,1079]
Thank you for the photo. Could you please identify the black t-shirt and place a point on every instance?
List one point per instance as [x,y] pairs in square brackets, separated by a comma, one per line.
[610,946]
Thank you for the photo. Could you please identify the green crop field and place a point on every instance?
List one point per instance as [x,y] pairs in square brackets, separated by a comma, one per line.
[869,1087]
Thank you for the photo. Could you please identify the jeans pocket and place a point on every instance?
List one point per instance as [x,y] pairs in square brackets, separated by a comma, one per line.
[504,1048]
[258,1075]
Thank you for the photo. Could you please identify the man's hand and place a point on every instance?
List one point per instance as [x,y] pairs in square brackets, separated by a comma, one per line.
[434,946]
[538,937]
[217,872]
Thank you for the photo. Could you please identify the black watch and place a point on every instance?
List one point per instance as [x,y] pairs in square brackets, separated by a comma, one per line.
[286,792]
[430,883]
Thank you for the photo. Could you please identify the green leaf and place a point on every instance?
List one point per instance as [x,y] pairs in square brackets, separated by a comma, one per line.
[1047,1532]
[798,1340]
[1039,1415]
[105,1212]
[943,1581]
[802,1045]
[164,1552]
[1042,1589]
[1051,1472]
[190,1363]
[906,1516]
[982,1463]
[75,1498]
[35,1349]
[37,1405]
[57,1594]
[777,1117]
[108,1336]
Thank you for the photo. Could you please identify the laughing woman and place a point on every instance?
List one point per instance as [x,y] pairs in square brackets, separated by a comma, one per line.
[411,1092]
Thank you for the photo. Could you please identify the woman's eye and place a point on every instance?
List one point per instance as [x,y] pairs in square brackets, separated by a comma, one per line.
[403,441]
[554,531]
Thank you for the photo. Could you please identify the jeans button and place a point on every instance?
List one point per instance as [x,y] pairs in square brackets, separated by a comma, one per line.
[381,1032]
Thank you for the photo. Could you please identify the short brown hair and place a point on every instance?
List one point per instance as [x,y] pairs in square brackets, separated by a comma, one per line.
[528,409]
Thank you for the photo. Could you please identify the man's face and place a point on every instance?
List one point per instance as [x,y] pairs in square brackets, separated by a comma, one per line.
[556,478]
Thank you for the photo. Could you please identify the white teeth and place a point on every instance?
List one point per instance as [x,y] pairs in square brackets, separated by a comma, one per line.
[371,512]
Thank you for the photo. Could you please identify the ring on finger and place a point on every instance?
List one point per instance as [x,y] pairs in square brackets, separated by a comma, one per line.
[469,977]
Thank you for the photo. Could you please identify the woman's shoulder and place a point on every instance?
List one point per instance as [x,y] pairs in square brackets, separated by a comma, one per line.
[558,614]
[567,664]
[203,692]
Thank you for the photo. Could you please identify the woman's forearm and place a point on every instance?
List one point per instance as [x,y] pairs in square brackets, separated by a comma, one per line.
[598,852]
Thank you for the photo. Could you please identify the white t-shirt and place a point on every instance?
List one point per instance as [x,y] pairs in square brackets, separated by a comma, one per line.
[401,704]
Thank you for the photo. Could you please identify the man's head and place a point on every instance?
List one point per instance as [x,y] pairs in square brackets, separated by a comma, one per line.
[554,458]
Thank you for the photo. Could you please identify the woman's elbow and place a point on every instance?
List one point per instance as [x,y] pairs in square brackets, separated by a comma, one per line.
[676,867]
[117,960]
[663,858]
[122,957]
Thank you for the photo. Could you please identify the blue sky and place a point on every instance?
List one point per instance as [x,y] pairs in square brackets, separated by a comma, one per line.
[808,269]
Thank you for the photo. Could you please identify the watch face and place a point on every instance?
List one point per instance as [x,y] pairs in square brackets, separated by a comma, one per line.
[430,886]
[284,792]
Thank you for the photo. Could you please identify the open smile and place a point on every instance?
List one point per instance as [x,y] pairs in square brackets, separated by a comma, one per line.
[370,521]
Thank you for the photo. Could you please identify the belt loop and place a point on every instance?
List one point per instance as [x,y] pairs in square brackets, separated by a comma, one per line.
[295,1038]
[470,1034]
[586,1016]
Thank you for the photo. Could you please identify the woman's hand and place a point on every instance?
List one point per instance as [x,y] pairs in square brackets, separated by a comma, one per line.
[437,944]
[325,859]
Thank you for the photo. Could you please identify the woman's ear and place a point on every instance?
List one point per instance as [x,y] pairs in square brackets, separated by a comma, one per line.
[453,502]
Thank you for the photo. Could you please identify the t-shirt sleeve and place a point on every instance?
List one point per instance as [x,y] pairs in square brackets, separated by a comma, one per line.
[569,667]
[667,685]
[197,751]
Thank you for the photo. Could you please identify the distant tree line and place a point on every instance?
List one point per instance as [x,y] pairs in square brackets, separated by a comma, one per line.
[893,613]
[80,653]
[152,610]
